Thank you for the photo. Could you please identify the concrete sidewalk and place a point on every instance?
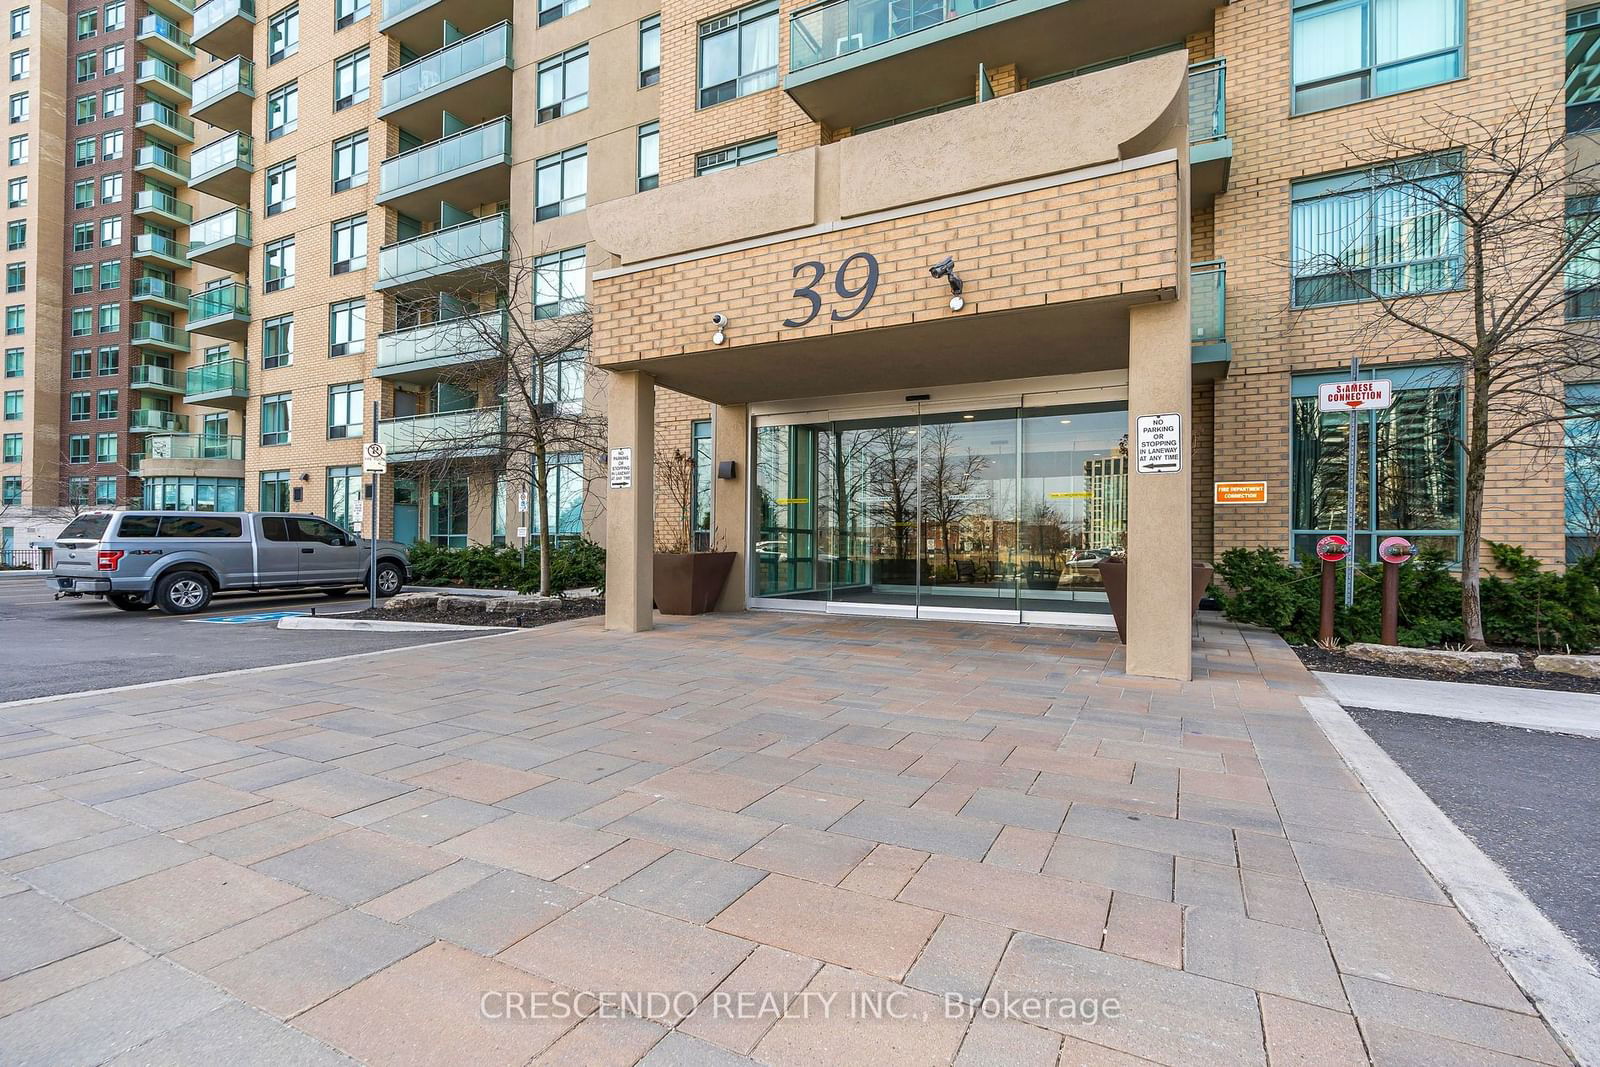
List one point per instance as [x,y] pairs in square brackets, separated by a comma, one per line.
[814,834]
[1534,709]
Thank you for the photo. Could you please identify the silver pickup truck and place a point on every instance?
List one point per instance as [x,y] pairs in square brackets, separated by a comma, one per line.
[176,560]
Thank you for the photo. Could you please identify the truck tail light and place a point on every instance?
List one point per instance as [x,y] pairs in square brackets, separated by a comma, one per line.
[107,560]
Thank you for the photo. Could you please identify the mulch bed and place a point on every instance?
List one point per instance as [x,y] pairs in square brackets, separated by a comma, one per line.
[586,608]
[1317,659]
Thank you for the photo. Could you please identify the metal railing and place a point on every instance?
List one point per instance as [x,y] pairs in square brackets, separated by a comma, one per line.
[150,420]
[475,430]
[149,331]
[154,155]
[230,225]
[1208,100]
[1208,300]
[214,13]
[24,559]
[464,244]
[166,203]
[483,51]
[194,446]
[160,245]
[228,375]
[237,75]
[438,158]
[167,115]
[153,376]
[167,30]
[465,338]
[230,299]
[162,71]
[234,150]
[160,289]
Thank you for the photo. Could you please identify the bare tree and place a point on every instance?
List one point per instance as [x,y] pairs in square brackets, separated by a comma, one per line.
[1482,237]
[514,339]
[948,480]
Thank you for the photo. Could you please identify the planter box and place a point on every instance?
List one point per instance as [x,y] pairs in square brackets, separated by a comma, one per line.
[689,583]
[1114,575]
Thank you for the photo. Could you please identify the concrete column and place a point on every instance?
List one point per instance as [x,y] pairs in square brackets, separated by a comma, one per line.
[730,498]
[1160,550]
[630,512]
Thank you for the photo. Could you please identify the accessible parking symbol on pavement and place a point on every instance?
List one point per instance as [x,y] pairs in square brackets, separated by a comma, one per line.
[260,616]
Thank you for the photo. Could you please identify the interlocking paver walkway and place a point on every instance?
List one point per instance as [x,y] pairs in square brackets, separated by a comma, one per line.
[381,859]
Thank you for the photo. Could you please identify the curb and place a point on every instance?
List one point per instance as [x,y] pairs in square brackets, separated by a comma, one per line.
[325,622]
[1549,710]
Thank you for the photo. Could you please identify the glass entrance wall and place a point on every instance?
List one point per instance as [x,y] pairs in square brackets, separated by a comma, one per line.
[997,513]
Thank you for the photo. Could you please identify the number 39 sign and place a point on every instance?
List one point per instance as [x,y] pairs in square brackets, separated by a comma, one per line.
[862,266]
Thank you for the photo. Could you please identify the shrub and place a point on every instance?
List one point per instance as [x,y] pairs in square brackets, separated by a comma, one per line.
[574,564]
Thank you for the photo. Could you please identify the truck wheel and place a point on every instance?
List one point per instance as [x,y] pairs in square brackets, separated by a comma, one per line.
[183,592]
[129,602]
[390,578]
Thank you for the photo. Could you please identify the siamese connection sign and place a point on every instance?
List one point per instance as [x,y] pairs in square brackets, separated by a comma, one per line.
[1372,395]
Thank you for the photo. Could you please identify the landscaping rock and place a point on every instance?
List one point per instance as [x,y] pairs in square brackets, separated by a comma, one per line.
[1580,666]
[1436,658]
[517,605]
[449,603]
[411,601]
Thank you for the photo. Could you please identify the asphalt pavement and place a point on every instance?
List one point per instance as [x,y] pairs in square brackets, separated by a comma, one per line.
[50,646]
[1529,799]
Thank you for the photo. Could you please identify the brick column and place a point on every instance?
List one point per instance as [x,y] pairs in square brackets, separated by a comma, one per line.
[730,498]
[630,512]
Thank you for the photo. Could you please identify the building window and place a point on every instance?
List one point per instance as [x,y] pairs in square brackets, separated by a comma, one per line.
[650,51]
[283,34]
[19,107]
[11,489]
[274,491]
[105,404]
[111,101]
[82,236]
[280,187]
[13,405]
[702,467]
[110,274]
[278,264]
[1349,50]
[15,361]
[86,25]
[78,448]
[344,495]
[110,318]
[350,162]
[16,319]
[81,363]
[105,488]
[277,342]
[19,65]
[1582,461]
[283,110]
[561,182]
[345,404]
[13,449]
[347,328]
[16,236]
[1377,231]
[564,84]
[83,151]
[17,192]
[80,407]
[561,383]
[193,494]
[17,149]
[559,283]
[82,322]
[739,53]
[113,54]
[550,10]
[111,232]
[275,410]
[86,108]
[352,79]
[1409,465]
[87,66]
[649,156]
[20,22]
[16,277]
[447,511]
[109,359]
[350,244]
[105,446]
[111,189]
[111,145]
[350,12]
[83,278]
[116,15]
[566,489]
[735,156]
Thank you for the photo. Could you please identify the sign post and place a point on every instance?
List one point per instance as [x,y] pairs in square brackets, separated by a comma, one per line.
[522,530]
[1395,553]
[374,461]
[1354,396]
[1330,549]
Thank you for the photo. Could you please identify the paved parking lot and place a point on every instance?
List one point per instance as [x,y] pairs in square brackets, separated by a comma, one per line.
[811,835]
[67,646]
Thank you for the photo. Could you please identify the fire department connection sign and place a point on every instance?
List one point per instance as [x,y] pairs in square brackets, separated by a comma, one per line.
[1355,396]
[1159,443]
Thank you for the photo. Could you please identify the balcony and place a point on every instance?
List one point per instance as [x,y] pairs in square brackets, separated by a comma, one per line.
[179,454]
[222,240]
[223,311]
[854,62]
[421,353]
[225,27]
[217,385]
[164,82]
[164,209]
[163,120]
[177,10]
[223,168]
[469,168]
[154,379]
[149,420]
[161,250]
[163,37]
[224,96]
[459,434]
[161,163]
[147,333]
[1208,319]
[158,292]
[446,257]
[1210,150]
[415,23]
[470,78]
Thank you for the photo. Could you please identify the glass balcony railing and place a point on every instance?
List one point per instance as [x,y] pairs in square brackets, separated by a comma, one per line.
[159,70]
[230,299]
[1208,101]
[155,244]
[452,340]
[230,225]
[472,432]
[476,242]
[233,150]
[492,140]
[150,332]
[151,288]
[169,31]
[151,376]
[224,376]
[1208,303]
[167,115]
[193,446]
[237,75]
[214,13]
[149,420]
[154,155]
[166,203]
[471,55]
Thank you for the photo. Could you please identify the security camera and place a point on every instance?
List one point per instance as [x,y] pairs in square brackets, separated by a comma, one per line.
[719,320]
[943,268]
[946,269]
